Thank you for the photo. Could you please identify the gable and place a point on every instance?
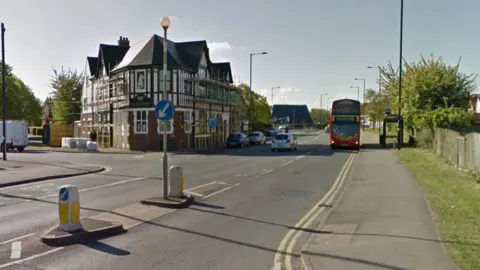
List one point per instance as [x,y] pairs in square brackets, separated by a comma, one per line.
[203,60]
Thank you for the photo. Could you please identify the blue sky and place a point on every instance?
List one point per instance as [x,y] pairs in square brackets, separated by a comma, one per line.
[314,46]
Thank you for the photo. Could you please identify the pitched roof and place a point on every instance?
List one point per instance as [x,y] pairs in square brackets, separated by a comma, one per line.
[111,55]
[221,71]
[299,113]
[149,52]
[92,65]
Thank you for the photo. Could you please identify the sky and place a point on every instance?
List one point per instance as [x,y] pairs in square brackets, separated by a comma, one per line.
[313,47]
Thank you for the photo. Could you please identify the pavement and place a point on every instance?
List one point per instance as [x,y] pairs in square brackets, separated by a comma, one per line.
[382,222]
[22,172]
[246,202]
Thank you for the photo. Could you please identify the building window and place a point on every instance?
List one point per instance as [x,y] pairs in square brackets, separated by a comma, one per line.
[160,125]
[188,121]
[161,79]
[141,122]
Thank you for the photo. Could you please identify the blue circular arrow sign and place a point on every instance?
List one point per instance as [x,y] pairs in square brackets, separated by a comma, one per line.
[164,110]
[63,194]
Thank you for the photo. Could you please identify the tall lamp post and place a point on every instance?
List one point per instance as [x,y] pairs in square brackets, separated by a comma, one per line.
[364,83]
[165,25]
[321,99]
[4,95]
[400,123]
[358,91]
[379,85]
[273,88]
[251,90]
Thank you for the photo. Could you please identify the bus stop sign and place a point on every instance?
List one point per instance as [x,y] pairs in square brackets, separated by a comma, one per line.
[388,110]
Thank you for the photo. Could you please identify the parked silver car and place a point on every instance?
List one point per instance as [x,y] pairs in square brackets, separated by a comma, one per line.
[257,137]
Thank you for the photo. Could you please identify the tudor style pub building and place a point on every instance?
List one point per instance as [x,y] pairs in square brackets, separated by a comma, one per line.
[124,83]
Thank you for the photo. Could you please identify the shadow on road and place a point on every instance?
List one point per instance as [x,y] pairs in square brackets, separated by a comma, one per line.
[230,240]
[105,248]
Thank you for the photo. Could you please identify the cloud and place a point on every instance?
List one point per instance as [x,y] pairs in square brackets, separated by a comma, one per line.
[216,47]
[218,51]
[287,90]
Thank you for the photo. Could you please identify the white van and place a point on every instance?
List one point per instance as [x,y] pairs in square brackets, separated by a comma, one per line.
[17,135]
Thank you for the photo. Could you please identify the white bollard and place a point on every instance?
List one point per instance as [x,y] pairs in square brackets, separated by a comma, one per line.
[176,182]
[69,209]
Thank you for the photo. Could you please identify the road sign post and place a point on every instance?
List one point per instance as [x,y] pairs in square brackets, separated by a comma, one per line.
[164,111]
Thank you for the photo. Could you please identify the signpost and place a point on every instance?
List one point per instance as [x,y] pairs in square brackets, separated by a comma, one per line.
[164,111]
[212,123]
[388,110]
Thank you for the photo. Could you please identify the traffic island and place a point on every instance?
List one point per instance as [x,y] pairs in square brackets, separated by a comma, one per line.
[71,229]
[92,229]
[176,199]
[170,202]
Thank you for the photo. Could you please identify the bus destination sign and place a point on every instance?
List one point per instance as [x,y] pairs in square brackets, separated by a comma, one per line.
[346,107]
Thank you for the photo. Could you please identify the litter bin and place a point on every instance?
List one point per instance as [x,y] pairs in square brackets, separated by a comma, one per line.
[382,140]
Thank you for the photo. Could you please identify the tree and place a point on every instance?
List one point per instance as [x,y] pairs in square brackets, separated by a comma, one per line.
[255,107]
[428,85]
[320,116]
[434,94]
[67,88]
[22,104]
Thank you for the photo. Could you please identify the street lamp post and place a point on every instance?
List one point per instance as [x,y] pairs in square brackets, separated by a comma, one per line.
[358,91]
[4,95]
[165,25]
[328,102]
[273,88]
[379,85]
[251,90]
[321,99]
[364,83]
[400,123]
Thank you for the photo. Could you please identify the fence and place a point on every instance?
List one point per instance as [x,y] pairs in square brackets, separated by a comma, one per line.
[463,151]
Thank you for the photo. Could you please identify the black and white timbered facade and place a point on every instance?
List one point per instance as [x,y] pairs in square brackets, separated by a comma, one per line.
[126,82]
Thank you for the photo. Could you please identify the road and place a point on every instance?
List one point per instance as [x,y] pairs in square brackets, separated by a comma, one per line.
[247,201]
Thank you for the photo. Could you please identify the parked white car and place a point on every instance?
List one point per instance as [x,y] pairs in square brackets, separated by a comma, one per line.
[284,141]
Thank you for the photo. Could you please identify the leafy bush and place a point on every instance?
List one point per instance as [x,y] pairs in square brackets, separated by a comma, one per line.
[424,138]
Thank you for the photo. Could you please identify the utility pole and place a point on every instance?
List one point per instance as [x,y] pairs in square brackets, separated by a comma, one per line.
[4,95]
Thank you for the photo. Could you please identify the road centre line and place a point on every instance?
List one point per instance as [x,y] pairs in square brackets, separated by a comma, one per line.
[327,201]
[266,172]
[291,232]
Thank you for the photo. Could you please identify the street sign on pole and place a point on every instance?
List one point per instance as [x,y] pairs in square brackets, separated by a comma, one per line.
[212,122]
[164,110]
[388,110]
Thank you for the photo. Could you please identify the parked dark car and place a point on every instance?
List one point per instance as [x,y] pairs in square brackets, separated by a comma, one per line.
[237,140]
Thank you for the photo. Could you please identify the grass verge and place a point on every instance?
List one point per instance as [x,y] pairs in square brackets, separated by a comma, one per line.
[454,199]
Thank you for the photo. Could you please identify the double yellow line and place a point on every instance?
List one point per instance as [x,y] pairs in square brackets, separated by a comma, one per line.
[293,234]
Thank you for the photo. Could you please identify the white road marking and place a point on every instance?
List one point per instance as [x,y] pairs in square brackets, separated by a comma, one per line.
[195,193]
[310,217]
[266,172]
[17,238]
[98,187]
[238,175]
[31,257]
[222,183]
[220,191]
[207,184]
[299,157]
[16,250]
[286,163]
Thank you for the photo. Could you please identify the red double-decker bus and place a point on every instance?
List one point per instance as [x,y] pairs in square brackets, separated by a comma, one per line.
[345,124]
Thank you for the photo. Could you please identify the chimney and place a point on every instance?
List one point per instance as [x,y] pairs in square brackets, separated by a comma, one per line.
[123,42]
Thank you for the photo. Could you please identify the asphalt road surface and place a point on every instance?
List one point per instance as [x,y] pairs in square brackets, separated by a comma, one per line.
[247,200]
